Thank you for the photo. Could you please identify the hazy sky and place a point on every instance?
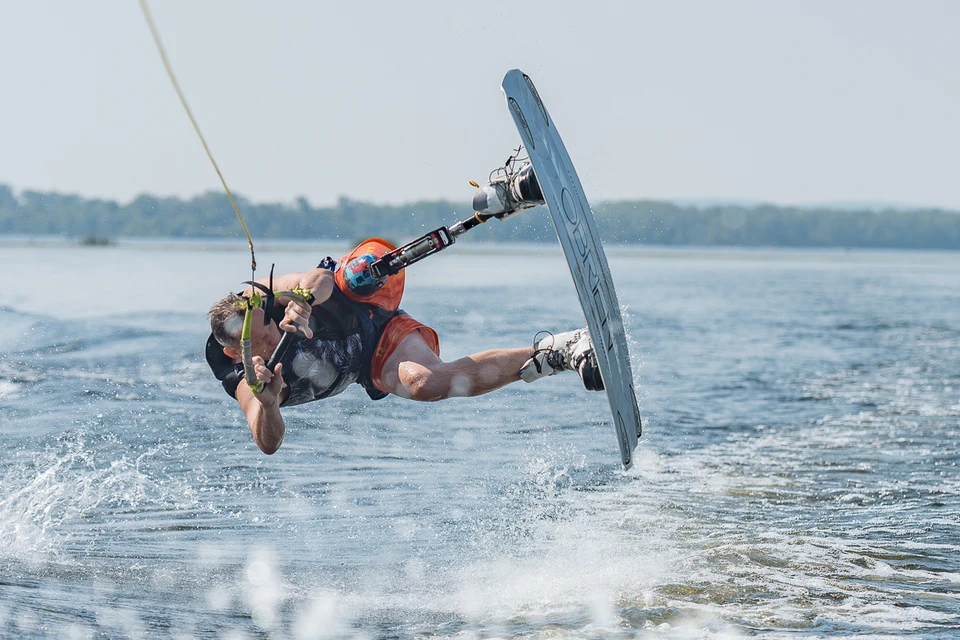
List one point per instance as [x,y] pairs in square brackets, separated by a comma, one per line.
[787,101]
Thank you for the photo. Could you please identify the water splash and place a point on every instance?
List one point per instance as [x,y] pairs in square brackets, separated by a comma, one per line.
[71,490]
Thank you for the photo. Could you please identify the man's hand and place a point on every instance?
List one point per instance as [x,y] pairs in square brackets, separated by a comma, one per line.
[273,381]
[297,316]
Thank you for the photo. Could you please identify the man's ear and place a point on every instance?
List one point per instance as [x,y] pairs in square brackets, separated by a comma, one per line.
[230,352]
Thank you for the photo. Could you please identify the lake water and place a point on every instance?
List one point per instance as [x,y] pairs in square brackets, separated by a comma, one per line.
[797,476]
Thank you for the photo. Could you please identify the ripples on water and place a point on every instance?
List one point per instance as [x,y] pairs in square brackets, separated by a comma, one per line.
[797,476]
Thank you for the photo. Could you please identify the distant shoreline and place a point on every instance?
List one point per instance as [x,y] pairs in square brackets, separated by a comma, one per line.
[644,223]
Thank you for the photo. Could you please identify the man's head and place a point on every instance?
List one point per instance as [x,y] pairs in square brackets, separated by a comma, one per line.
[226,323]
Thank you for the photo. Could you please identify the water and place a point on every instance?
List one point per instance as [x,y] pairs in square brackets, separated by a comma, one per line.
[797,476]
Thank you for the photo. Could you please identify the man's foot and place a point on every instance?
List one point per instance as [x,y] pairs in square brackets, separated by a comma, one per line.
[570,351]
[508,193]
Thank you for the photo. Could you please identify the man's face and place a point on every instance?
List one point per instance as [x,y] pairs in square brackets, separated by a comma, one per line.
[265,337]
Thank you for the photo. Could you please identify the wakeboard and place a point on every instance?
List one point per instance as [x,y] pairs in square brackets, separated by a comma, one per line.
[577,232]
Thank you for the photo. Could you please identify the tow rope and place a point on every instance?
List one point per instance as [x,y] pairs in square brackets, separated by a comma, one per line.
[256,300]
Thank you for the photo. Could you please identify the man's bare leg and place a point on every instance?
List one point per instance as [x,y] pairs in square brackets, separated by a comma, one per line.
[414,371]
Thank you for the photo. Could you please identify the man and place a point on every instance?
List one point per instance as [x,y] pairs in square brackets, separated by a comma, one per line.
[352,330]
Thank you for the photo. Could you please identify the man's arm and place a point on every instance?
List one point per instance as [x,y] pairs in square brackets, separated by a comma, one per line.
[319,282]
[263,409]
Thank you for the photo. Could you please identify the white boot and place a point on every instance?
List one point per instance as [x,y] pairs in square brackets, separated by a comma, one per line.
[570,351]
[508,193]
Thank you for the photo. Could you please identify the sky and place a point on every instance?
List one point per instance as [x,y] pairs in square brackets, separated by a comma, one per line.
[788,102]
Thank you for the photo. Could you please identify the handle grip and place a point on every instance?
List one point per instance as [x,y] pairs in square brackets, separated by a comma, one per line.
[285,341]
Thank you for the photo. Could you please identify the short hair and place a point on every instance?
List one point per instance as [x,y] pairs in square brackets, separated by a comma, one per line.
[221,315]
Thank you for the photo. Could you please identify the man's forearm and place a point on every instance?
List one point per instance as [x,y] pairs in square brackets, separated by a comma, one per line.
[263,415]
[318,281]
[267,426]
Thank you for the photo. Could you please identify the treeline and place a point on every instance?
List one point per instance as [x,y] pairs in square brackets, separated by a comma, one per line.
[641,222]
